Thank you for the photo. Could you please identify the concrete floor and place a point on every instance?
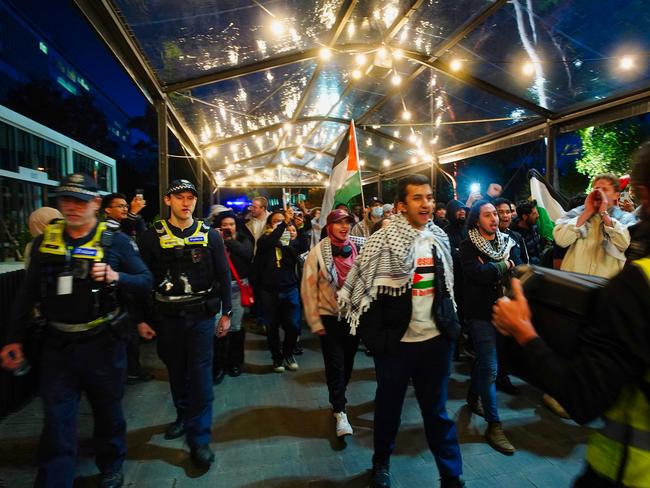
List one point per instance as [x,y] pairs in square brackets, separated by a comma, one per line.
[276,430]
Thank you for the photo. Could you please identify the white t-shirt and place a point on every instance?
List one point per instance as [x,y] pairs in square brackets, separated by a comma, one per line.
[422,326]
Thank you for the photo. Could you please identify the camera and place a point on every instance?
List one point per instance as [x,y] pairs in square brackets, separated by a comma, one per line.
[226,232]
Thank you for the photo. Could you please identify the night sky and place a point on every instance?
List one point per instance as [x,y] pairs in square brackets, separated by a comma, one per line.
[62,23]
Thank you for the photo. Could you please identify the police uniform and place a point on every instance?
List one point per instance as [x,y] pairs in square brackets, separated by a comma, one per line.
[191,285]
[83,349]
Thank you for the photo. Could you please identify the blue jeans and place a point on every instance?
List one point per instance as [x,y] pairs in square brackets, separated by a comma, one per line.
[484,371]
[98,367]
[237,309]
[427,363]
[185,346]
[282,309]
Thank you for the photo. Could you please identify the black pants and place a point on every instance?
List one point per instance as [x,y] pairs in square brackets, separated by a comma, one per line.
[339,349]
[282,310]
[133,350]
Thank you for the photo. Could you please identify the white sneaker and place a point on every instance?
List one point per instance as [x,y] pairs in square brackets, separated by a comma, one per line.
[343,427]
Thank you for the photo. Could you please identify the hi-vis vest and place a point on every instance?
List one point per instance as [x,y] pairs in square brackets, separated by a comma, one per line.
[53,243]
[185,267]
[88,300]
[620,451]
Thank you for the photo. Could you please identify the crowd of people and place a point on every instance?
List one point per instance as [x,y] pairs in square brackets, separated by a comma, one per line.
[415,283]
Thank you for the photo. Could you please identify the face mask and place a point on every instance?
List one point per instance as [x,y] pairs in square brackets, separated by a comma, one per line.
[286,237]
[377,212]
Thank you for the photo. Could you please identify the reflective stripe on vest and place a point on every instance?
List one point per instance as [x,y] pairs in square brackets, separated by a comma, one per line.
[54,243]
[626,434]
[170,241]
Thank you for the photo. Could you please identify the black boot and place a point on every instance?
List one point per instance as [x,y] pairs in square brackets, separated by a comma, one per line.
[380,472]
[236,352]
[220,360]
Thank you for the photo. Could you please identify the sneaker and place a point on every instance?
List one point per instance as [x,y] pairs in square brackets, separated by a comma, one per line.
[298,350]
[111,480]
[290,363]
[454,482]
[380,476]
[343,427]
[497,439]
[278,366]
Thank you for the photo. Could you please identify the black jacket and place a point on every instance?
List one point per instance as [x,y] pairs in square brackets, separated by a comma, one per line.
[268,274]
[241,253]
[383,325]
[482,280]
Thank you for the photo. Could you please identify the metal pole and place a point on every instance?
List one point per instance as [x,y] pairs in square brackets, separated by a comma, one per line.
[379,187]
[163,162]
[434,175]
[551,156]
[199,187]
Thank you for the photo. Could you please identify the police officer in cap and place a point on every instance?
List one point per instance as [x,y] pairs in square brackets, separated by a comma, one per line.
[78,270]
[191,285]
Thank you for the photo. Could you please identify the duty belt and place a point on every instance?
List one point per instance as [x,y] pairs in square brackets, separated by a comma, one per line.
[85,326]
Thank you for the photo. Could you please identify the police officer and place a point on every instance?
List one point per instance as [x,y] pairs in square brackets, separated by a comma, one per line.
[191,285]
[78,270]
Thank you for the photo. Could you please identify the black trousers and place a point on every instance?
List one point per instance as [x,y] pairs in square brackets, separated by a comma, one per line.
[339,348]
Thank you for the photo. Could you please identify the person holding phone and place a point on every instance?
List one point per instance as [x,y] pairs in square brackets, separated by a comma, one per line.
[229,350]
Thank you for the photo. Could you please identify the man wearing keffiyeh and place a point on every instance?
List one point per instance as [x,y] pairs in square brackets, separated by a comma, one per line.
[486,257]
[398,296]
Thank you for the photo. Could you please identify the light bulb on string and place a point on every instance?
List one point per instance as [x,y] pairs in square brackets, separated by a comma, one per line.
[277,27]
[356,74]
[360,59]
[386,162]
[406,115]
[456,65]
[325,54]
[396,79]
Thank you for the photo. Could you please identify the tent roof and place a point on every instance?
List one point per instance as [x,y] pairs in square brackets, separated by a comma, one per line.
[263,90]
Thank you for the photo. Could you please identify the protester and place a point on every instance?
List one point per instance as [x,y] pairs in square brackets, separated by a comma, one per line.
[229,349]
[277,277]
[326,268]
[314,216]
[440,215]
[494,190]
[487,256]
[596,233]
[38,220]
[525,223]
[374,213]
[504,212]
[126,216]
[399,293]
[259,215]
[610,372]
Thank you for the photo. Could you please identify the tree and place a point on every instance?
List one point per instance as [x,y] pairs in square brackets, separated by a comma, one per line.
[607,149]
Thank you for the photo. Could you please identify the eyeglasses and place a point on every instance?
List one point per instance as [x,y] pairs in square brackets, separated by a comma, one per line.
[120,206]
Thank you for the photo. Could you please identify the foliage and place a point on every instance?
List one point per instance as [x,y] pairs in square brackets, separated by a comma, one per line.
[607,149]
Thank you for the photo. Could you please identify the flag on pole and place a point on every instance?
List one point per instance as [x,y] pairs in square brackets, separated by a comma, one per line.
[345,179]
[549,203]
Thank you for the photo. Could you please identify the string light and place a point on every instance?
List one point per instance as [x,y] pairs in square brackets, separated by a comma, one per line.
[528,68]
[369,142]
[386,162]
[325,54]
[406,115]
[362,162]
[211,152]
[456,65]
[382,52]
[626,63]
[300,151]
[277,27]
[396,80]
[397,53]
[360,59]
[356,74]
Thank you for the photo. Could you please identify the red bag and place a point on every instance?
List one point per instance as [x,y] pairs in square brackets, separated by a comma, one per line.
[245,290]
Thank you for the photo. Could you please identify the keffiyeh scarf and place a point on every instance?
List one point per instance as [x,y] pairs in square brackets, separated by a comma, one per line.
[503,244]
[386,265]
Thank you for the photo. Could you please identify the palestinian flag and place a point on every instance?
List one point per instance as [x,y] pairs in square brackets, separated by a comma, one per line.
[345,179]
[550,203]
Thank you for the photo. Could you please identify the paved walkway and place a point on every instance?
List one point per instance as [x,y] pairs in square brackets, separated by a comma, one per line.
[276,430]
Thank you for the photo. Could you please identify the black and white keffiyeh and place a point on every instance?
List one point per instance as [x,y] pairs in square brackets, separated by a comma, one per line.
[499,252]
[386,265]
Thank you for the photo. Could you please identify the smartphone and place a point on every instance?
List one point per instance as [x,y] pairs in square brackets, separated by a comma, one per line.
[139,193]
